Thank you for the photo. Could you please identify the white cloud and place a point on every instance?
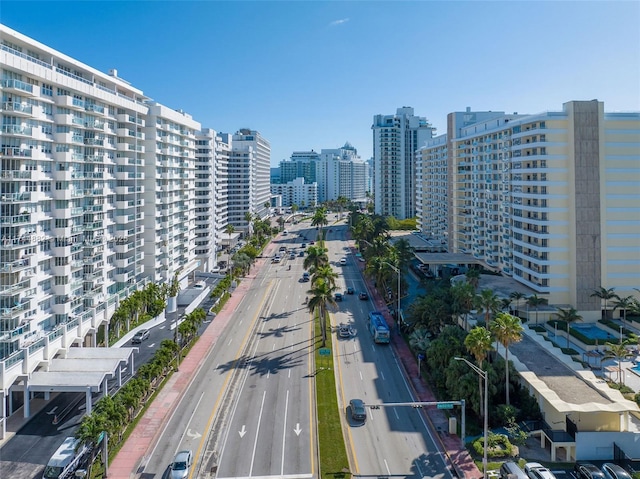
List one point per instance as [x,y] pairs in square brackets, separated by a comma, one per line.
[339,22]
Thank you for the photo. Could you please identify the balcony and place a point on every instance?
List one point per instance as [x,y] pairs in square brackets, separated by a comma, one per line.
[13,289]
[17,86]
[15,220]
[10,313]
[61,270]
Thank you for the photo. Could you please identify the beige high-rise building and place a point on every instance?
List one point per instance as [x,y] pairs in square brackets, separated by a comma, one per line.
[550,199]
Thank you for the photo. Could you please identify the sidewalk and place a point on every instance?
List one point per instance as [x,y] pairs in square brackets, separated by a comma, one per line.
[457,455]
[134,454]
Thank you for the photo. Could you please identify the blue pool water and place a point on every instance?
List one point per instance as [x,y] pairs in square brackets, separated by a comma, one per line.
[592,331]
[636,369]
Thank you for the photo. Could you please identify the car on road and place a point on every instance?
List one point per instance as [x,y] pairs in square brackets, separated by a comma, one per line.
[350,290]
[357,410]
[181,465]
[140,336]
[292,256]
[343,261]
[303,245]
[276,259]
[305,276]
[312,243]
[535,470]
[344,331]
[301,253]
[586,470]
[613,471]
[363,295]
[338,297]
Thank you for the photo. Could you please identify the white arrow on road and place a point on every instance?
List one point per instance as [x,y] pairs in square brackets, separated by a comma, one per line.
[242,432]
[194,435]
[297,430]
[151,345]
[52,411]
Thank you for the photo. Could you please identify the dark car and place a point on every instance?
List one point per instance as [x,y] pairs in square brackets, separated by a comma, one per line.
[350,290]
[344,331]
[585,470]
[338,297]
[357,410]
[140,336]
[363,295]
[613,471]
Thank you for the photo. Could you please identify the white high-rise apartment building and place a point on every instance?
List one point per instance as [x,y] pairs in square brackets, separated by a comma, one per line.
[550,199]
[221,173]
[170,228]
[296,192]
[341,173]
[249,177]
[206,220]
[71,204]
[396,138]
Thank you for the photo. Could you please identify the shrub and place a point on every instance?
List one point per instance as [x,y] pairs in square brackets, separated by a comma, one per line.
[499,446]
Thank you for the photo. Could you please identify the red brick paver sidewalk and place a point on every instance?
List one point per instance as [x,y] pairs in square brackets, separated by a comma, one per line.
[136,450]
[458,456]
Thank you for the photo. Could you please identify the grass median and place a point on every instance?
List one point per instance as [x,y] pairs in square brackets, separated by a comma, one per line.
[333,454]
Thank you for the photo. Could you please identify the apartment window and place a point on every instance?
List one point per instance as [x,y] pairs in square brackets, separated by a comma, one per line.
[45,186]
[45,206]
[47,89]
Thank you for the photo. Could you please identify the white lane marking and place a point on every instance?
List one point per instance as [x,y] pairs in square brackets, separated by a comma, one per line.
[361,378]
[242,431]
[387,466]
[284,431]
[382,374]
[274,347]
[396,413]
[255,441]
[289,373]
[373,347]
[229,342]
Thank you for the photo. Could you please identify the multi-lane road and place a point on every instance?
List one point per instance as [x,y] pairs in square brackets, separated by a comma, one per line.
[250,411]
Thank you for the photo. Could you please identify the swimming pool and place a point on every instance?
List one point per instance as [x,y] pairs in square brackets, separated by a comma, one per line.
[592,331]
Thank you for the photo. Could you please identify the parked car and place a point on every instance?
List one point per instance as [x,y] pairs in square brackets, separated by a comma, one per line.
[338,297]
[357,410]
[304,245]
[305,276]
[586,470]
[613,471]
[181,465]
[350,290]
[535,470]
[363,295]
[301,253]
[140,336]
[510,470]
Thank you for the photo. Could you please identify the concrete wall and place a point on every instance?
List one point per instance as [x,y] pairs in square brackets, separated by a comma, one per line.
[598,446]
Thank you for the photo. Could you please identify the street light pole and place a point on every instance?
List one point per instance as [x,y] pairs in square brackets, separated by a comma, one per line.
[483,375]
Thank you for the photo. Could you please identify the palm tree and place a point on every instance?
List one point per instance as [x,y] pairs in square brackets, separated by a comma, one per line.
[517,296]
[507,329]
[419,339]
[535,301]
[489,303]
[316,257]
[568,316]
[404,253]
[319,219]
[463,299]
[624,304]
[619,352]
[324,273]
[605,294]
[473,277]
[321,297]
[478,343]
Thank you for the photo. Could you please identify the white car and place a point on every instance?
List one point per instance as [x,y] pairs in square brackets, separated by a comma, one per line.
[181,465]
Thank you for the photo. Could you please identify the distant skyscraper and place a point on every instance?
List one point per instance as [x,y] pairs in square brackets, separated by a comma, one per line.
[341,173]
[395,141]
[302,164]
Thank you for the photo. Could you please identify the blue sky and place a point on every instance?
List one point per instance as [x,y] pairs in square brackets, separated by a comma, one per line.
[311,74]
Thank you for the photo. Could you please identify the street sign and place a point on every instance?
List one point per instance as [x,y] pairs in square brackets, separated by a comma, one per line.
[325,352]
[445,405]
[421,357]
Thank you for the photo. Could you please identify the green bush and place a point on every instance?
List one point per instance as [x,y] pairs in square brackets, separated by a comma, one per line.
[499,446]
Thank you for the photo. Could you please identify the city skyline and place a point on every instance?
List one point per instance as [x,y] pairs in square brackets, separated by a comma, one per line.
[310,75]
